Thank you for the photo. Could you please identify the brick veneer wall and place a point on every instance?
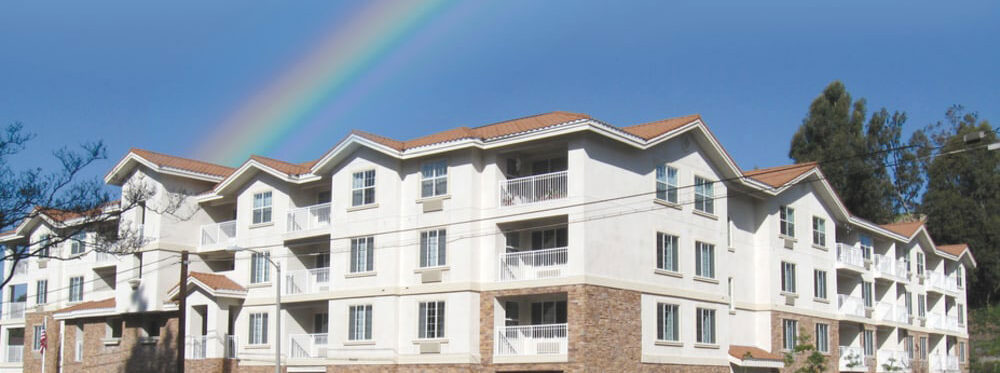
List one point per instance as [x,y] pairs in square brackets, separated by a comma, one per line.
[807,324]
[33,359]
[128,355]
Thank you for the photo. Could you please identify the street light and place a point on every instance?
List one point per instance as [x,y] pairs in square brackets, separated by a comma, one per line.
[277,304]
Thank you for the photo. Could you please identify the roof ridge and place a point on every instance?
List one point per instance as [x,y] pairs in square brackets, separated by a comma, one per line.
[529,117]
[134,150]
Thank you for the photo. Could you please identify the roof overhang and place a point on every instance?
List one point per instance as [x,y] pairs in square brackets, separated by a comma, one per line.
[246,173]
[216,293]
[757,363]
[130,161]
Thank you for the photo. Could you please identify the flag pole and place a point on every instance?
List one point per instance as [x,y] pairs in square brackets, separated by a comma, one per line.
[45,326]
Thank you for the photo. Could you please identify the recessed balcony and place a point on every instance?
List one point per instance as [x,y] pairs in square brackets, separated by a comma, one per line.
[894,360]
[534,189]
[850,306]
[14,311]
[218,236]
[941,283]
[891,312]
[887,267]
[315,218]
[944,363]
[527,340]
[850,257]
[307,346]
[307,281]
[852,359]
[533,264]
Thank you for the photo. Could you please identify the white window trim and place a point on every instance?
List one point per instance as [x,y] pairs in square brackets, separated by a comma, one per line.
[433,179]
[364,188]
[708,198]
[262,208]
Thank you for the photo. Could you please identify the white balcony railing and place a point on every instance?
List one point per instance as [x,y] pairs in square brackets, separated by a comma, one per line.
[105,258]
[531,189]
[887,266]
[532,340]
[533,264]
[309,218]
[951,323]
[14,311]
[936,321]
[944,363]
[852,306]
[218,234]
[887,311]
[195,347]
[232,345]
[307,281]
[21,268]
[15,354]
[892,361]
[850,255]
[852,359]
[307,346]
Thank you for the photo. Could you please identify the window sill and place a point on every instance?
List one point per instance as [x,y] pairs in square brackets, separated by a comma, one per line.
[431,269]
[434,198]
[787,237]
[789,294]
[259,285]
[367,342]
[257,347]
[731,249]
[148,340]
[360,274]
[670,343]
[820,247]
[706,279]
[673,205]
[262,225]
[705,214]
[362,207]
[821,300]
[664,272]
[706,345]
[430,340]
[111,341]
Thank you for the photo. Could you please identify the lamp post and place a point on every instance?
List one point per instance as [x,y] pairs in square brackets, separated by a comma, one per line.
[277,304]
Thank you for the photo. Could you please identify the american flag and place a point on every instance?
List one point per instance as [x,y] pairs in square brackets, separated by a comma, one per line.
[44,341]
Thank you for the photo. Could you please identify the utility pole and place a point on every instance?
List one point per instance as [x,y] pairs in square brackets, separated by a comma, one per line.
[182,311]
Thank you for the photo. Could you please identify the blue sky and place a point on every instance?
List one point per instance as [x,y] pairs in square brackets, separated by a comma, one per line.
[159,75]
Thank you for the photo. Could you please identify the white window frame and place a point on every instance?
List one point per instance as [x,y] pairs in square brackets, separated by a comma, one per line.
[36,338]
[789,334]
[961,313]
[363,192]
[788,277]
[868,294]
[705,334]
[667,252]
[431,321]
[867,250]
[920,263]
[668,322]
[819,231]
[666,183]
[868,342]
[260,267]
[359,323]
[823,337]
[262,212]
[701,265]
[257,334]
[786,220]
[704,195]
[76,289]
[819,284]
[78,244]
[433,248]
[961,352]
[434,178]
[42,291]
[921,305]
[958,276]
[362,254]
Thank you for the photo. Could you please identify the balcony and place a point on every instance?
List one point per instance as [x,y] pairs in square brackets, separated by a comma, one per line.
[951,323]
[890,312]
[533,264]
[218,235]
[850,257]
[232,345]
[14,311]
[195,347]
[528,340]
[105,260]
[307,281]
[15,354]
[309,218]
[532,189]
[850,306]
[890,268]
[936,321]
[942,283]
[307,346]
[944,363]
[895,361]
[852,359]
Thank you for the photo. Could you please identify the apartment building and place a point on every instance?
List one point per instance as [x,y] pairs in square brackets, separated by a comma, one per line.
[555,242]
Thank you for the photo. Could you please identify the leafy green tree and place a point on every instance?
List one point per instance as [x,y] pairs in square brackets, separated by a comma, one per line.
[814,362]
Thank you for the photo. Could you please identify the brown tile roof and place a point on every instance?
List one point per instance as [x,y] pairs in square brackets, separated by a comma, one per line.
[740,352]
[185,164]
[905,229]
[8,233]
[282,166]
[92,305]
[64,215]
[781,175]
[955,250]
[217,282]
[653,129]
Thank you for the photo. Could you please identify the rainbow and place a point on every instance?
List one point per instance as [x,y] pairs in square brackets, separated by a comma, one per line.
[331,76]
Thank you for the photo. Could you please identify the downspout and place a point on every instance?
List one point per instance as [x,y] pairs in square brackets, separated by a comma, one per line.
[62,340]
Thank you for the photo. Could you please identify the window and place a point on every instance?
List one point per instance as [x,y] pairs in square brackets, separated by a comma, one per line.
[920,263]
[258,328]
[704,259]
[666,252]
[819,284]
[550,312]
[363,188]
[729,233]
[362,254]
[705,328]
[43,245]
[961,352]
[921,305]
[260,268]
[923,348]
[961,314]
[822,337]
[908,346]
[703,195]
[113,329]
[151,328]
[819,231]
[512,314]
[869,343]
[76,289]
[262,208]
[731,291]
[908,300]
[432,248]
[667,324]
[866,247]
[434,179]
[359,327]
[78,355]
[549,239]
[866,294]
[431,321]
[789,334]
[906,259]
[78,244]
[958,276]
[36,338]
[787,217]
[42,292]
[666,183]
[787,277]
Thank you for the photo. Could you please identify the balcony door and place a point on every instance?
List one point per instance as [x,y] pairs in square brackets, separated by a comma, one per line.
[548,313]
[321,326]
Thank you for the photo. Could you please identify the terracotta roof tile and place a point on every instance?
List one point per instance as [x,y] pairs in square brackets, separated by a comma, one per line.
[955,250]
[185,164]
[8,233]
[92,305]
[653,129]
[741,352]
[63,215]
[905,229]
[217,282]
[282,166]
[781,175]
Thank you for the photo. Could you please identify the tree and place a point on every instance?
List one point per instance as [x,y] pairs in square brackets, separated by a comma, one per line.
[962,199]
[855,156]
[68,204]
[815,361]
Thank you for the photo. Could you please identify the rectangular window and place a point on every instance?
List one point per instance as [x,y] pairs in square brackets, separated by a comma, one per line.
[866,247]
[666,183]
[704,259]
[666,252]
[869,343]
[819,284]
[76,289]
[260,268]
[432,248]
[705,328]
[908,301]
[42,292]
[363,188]
[151,328]
[961,352]
[923,348]
[43,245]
[113,329]
[359,327]
[789,334]
[819,231]
[667,323]
[731,291]
[704,195]
[908,347]
[362,254]
[434,179]
[961,314]
[78,244]
[78,355]
[787,277]
[36,338]
[787,217]
[258,328]
[921,305]
[866,294]
[262,208]
[431,321]
[822,337]
[920,263]
[958,276]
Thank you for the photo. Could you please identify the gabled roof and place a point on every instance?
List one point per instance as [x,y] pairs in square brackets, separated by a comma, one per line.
[653,129]
[906,229]
[290,169]
[91,305]
[779,176]
[959,251]
[216,285]
[168,164]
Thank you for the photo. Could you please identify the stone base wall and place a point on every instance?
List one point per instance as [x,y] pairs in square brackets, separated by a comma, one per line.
[807,324]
